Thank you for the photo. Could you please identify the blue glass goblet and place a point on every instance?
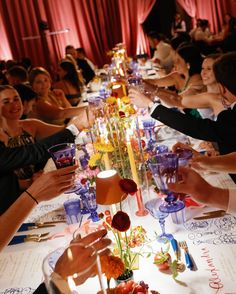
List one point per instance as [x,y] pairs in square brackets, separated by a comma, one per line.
[149,130]
[184,156]
[153,207]
[164,168]
[88,198]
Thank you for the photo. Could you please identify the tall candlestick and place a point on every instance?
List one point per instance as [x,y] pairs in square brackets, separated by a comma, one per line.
[132,161]
[104,140]
[141,209]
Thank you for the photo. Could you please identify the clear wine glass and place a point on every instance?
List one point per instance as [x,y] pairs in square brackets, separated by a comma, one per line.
[164,168]
[153,207]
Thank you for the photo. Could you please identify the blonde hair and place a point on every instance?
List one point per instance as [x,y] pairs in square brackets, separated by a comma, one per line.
[38,71]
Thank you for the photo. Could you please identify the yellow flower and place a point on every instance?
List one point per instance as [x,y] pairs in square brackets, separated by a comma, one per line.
[125,100]
[130,109]
[94,160]
[112,266]
[104,147]
[111,100]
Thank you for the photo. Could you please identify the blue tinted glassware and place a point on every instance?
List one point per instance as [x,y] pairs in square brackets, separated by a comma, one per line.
[184,156]
[153,207]
[164,168]
[149,130]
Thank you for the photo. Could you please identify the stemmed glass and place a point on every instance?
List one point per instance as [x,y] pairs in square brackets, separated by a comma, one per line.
[153,207]
[164,168]
[63,155]
[88,198]
[149,129]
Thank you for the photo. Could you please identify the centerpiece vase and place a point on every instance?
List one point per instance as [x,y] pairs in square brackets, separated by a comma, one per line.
[125,277]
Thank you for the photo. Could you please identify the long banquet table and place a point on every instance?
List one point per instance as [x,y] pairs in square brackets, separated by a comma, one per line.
[211,244]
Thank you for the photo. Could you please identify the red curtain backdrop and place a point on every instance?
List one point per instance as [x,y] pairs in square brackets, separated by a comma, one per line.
[213,10]
[5,50]
[93,24]
[96,25]
[133,15]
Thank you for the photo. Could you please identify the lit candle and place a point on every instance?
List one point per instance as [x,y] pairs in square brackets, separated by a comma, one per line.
[131,159]
[118,103]
[103,137]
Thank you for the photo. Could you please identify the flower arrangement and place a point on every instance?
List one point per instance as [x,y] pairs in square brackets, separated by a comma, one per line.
[126,238]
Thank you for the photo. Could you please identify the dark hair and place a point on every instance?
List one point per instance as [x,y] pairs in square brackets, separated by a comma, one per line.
[232,25]
[225,71]
[69,47]
[26,93]
[71,73]
[18,72]
[80,50]
[181,38]
[213,56]
[155,35]
[38,71]
[26,62]
[192,56]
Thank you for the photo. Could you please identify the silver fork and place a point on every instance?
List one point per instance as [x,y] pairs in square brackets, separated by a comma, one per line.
[188,259]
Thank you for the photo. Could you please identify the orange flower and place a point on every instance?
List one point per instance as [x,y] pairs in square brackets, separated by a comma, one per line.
[112,266]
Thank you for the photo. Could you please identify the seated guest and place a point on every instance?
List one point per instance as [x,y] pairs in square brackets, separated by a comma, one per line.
[221,131]
[22,132]
[85,65]
[17,75]
[69,82]
[229,43]
[51,106]
[162,54]
[201,32]
[71,50]
[44,188]
[186,77]
[82,55]
[31,154]
[208,103]
[28,98]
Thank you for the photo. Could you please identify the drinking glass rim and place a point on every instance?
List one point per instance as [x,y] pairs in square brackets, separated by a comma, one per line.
[61,144]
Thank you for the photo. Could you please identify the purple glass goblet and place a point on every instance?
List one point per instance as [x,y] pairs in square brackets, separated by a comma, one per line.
[63,154]
[164,168]
[184,156]
[153,207]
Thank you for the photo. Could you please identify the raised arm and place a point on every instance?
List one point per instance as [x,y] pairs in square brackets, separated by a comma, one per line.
[223,163]
[46,187]
[172,79]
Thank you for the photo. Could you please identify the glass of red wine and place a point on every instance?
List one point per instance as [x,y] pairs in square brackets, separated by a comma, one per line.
[63,154]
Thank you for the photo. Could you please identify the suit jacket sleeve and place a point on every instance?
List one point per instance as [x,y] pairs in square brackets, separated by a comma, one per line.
[202,129]
[12,158]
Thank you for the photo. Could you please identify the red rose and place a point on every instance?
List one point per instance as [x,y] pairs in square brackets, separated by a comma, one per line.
[83,181]
[128,186]
[121,221]
[121,114]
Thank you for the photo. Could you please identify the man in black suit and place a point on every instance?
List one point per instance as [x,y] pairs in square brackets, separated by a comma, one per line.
[223,130]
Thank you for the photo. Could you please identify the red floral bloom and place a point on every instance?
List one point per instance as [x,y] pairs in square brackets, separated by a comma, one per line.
[121,221]
[121,114]
[128,186]
[83,181]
